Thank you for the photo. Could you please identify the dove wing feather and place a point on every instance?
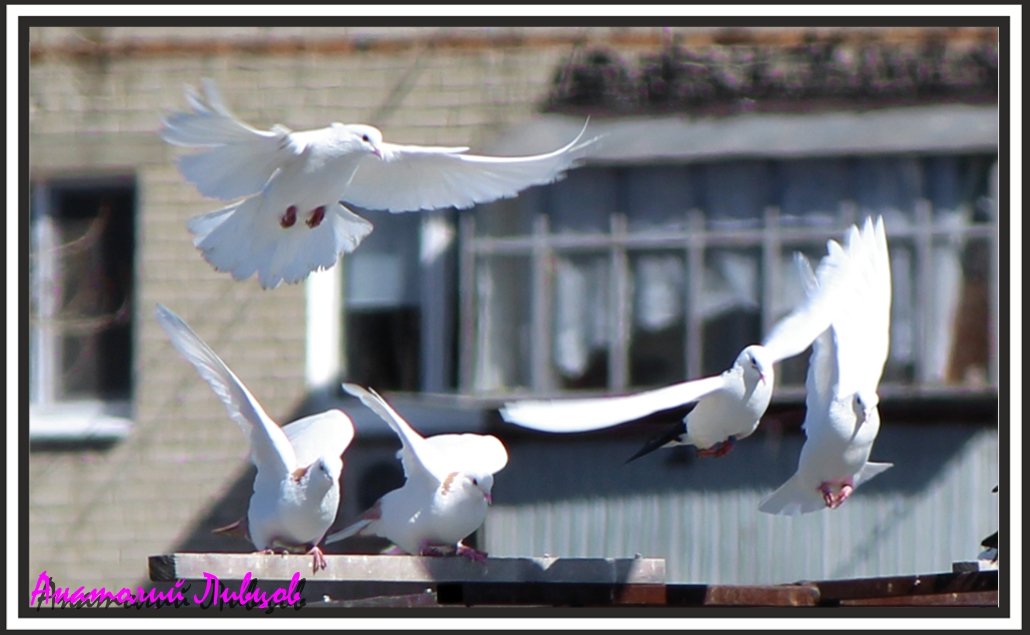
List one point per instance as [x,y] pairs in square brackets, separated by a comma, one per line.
[435,178]
[823,290]
[473,453]
[418,457]
[581,415]
[270,448]
[235,159]
[861,323]
[324,434]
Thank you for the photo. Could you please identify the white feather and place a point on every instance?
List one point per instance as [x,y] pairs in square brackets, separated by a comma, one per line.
[730,405]
[279,170]
[582,415]
[846,365]
[448,480]
[296,490]
[435,178]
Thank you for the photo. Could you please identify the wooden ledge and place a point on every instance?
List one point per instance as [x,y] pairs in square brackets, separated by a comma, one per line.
[409,569]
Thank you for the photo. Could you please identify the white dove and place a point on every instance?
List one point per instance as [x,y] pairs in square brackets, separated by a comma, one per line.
[446,492]
[297,487]
[727,407]
[842,419]
[284,177]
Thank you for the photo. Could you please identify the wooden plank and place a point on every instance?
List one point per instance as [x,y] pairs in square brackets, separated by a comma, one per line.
[409,569]
[742,595]
[412,581]
[785,595]
[939,583]
[556,594]
[974,598]
[426,600]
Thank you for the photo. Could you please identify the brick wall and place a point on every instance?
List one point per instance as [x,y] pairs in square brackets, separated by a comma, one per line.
[95,515]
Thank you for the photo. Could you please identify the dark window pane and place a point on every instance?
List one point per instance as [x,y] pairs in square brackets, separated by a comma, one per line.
[83,271]
[731,309]
[383,347]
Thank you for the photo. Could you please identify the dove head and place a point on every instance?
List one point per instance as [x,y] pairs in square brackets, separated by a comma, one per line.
[366,138]
[481,483]
[864,405]
[757,363]
[320,475]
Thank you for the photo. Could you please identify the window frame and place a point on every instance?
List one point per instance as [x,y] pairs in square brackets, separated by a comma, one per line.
[774,241]
[53,419]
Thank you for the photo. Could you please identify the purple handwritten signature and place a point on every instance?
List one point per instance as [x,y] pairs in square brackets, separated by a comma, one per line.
[216,594]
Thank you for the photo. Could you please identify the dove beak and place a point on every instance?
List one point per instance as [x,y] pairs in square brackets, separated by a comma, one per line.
[376,151]
[489,499]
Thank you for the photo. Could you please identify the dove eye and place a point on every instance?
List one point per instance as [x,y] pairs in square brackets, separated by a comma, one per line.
[365,138]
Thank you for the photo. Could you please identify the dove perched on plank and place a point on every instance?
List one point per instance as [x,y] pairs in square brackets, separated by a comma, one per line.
[446,493]
[292,219]
[297,487]
[726,407]
[842,419]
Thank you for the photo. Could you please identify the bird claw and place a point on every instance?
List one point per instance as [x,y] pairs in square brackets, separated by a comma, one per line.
[289,218]
[833,502]
[845,491]
[316,218]
[319,561]
[721,448]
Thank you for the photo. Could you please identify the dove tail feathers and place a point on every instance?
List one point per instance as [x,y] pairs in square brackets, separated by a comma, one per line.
[357,527]
[792,498]
[244,239]
[795,497]
[238,529]
[352,530]
[869,470]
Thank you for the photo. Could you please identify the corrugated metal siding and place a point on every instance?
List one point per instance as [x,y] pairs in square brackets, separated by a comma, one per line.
[932,509]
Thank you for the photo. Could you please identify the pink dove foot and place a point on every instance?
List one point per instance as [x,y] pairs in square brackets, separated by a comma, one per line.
[719,449]
[289,218]
[318,561]
[316,218]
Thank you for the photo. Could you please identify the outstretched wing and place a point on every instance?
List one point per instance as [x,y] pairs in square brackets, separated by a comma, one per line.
[235,159]
[471,453]
[410,178]
[581,415]
[420,459]
[861,323]
[326,434]
[270,450]
[823,288]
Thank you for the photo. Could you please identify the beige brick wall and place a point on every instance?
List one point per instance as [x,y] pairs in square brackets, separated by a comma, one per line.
[95,515]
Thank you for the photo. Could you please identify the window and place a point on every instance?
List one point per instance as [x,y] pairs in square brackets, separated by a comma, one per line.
[399,298]
[620,277]
[81,292]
